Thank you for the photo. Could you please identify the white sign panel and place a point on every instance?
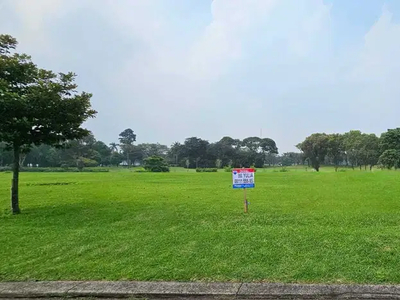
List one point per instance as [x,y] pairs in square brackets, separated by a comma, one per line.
[243,178]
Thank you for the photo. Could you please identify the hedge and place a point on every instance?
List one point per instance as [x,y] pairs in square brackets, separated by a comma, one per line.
[207,170]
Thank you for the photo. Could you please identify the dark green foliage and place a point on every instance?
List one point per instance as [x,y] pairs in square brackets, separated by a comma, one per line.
[281,170]
[206,170]
[315,148]
[353,147]
[199,153]
[336,150]
[291,158]
[390,140]
[127,137]
[37,107]
[156,164]
[390,148]
[390,159]
[140,170]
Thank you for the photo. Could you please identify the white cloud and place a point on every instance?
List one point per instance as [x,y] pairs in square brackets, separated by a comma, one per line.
[379,57]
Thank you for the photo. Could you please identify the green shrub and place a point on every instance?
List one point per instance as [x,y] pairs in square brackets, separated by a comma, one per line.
[96,170]
[281,170]
[206,170]
[140,170]
[156,164]
[228,169]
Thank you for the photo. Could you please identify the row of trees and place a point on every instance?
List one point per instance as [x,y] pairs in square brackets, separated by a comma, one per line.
[199,153]
[353,148]
[193,153]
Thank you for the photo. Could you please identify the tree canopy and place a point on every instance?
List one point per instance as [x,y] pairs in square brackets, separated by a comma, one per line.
[37,106]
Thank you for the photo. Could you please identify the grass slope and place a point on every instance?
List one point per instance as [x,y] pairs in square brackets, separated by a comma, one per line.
[302,227]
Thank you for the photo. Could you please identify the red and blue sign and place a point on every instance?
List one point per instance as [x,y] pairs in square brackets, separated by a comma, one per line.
[243,178]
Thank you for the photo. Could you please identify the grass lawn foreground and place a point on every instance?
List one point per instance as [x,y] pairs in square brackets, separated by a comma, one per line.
[302,226]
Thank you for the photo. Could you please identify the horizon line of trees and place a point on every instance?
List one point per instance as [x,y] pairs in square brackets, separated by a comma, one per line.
[353,148]
[194,152]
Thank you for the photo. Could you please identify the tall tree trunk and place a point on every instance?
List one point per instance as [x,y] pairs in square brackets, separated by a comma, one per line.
[15,180]
[365,168]
[370,167]
[360,167]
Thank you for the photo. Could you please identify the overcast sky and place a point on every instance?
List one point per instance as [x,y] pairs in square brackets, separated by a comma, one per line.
[171,69]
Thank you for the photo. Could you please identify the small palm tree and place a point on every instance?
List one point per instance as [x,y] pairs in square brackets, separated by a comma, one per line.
[114,147]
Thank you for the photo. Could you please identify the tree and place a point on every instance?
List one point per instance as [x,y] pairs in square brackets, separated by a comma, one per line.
[315,148]
[5,155]
[352,142]
[156,164]
[37,107]
[225,150]
[256,149]
[195,149]
[268,146]
[103,152]
[390,148]
[390,158]
[175,153]
[116,158]
[114,147]
[390,140]
[369,151]
[291,158]
[154,150]
[126,139]
[336,149]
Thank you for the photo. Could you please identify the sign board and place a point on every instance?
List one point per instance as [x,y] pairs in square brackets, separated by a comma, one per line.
[243,178]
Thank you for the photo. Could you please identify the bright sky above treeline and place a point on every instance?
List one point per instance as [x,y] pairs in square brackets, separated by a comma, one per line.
[171,69]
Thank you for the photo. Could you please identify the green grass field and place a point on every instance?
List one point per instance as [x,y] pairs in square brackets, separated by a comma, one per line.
[302,227]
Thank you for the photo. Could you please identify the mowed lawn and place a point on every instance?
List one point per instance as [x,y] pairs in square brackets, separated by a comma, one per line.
[302,227]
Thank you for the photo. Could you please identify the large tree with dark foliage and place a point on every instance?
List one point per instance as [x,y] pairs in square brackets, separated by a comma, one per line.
[126,140]
[36,107]
[315,148]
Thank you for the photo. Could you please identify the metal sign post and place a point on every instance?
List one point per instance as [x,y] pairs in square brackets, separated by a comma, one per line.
[246,204]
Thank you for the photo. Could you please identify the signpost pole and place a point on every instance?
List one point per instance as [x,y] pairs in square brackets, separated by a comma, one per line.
[243,179]
[246,206]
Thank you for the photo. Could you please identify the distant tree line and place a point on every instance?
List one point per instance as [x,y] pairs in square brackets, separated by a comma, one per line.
[192,153]
[353,148]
